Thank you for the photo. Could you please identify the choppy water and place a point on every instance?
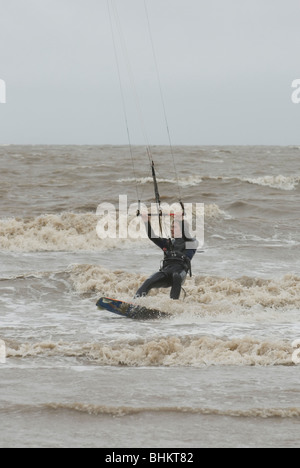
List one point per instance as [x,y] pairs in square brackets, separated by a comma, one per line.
[219,372]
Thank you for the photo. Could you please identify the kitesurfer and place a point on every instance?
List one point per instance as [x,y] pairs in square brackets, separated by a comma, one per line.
[178,253]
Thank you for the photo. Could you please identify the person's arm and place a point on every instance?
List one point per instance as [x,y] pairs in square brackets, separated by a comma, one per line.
[158,241]
[192,251]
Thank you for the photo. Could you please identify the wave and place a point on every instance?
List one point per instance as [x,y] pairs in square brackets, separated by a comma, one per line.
[123,411]
[183,182]
[280,182]
[286,183]
[168,352]
[65,232]
[49,232]
[245,298]
[206,295]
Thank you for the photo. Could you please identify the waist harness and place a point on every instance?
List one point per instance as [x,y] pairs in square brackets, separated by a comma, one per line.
[175,253]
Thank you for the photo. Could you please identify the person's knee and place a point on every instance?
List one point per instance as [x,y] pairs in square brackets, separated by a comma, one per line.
[177,277]
[148,285]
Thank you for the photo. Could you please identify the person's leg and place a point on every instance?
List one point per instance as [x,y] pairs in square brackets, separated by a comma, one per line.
[158,280]
[178,281]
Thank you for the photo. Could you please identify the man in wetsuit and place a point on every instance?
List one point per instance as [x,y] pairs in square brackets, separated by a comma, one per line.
[178,254]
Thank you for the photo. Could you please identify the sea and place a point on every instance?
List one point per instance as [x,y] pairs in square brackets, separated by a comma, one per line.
[221,371]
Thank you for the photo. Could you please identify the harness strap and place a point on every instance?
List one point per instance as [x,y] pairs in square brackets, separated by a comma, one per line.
[174,257]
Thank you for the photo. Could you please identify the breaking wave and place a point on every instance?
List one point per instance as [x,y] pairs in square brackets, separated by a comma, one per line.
[168,352]
[274,181]
[65,232]
[206,296]
[123,411]
[184,182]
[214,294]
[278,182]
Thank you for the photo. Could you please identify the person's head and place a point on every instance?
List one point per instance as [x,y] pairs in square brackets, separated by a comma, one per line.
[180,230]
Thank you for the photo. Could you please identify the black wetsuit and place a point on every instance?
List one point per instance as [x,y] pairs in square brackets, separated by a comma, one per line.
[176,264]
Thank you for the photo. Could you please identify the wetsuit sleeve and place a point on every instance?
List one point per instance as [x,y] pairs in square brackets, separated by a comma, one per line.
[159,241]
[191,252]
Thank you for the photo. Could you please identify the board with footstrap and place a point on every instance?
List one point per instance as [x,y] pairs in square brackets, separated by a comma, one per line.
[129,310]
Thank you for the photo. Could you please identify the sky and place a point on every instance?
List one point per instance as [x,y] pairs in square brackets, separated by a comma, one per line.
[226,69]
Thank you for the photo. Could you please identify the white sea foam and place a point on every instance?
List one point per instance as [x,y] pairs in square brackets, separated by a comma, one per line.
[274,181]
[122,411]
[168,351]
[278,182]
[207,295]
[67,232]
[189,181]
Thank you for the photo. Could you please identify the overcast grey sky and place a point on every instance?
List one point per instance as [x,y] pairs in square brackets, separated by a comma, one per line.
[226,69]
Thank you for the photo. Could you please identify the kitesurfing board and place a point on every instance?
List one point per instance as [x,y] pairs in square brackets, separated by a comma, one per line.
[132,311]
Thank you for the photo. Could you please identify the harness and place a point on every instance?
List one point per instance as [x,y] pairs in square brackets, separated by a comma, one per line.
[174,253]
